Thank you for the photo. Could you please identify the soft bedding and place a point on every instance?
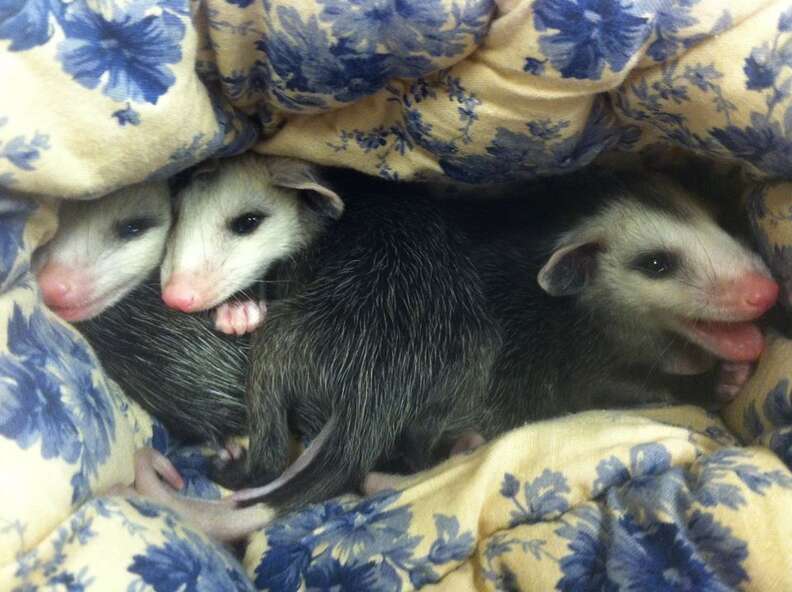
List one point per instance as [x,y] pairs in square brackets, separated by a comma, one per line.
[100,94]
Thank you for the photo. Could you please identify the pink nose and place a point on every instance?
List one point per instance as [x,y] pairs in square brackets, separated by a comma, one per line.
[759,292]
[62,286]
[181,297]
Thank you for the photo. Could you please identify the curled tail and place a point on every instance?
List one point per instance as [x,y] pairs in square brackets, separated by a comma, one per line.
[334,463]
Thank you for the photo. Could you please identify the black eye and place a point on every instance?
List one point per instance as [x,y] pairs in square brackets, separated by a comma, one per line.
[657,264]
[246,223]
[133,227]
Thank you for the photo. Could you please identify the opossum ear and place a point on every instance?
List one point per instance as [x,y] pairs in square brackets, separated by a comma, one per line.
[569,269]
[298,174]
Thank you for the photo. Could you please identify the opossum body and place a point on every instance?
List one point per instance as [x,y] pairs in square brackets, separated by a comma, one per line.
[103,249]
[613,292]
[381,326]
[174,365]
[392,324]
[388,327]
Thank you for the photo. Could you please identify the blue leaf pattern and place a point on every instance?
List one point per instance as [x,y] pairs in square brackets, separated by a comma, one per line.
[20,152]
[541,150]
[543,497]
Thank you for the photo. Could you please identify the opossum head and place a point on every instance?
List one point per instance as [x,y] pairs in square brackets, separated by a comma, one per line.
[654,263]
[103,249]
[235,221]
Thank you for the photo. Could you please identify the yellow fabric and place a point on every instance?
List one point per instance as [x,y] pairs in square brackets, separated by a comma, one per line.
[593,501]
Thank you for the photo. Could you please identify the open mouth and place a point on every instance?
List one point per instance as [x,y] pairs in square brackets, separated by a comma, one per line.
[736,341]
[81,312]
[88,309]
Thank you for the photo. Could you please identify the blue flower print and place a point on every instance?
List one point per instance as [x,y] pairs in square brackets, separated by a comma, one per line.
[543,497]
[291,545]
[585,568]
[778,411]
[14,214]
[591,33]
[371,527]
[32,410]
[781,444]
[47,395]
[646,460]
[364,543]
[450,545]
[21,152]
[785,21]
[27,23]
[303,57]
[669,20]
[702,557]
[194,467]
[534,66]
[697,554]
[760,69]
[778,404]
[515,155]
[333,575]
[763,144]
[127,115]
[187,562]
[129,51]
[405,26]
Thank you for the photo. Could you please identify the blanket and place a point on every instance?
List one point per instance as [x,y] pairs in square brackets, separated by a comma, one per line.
[99,94]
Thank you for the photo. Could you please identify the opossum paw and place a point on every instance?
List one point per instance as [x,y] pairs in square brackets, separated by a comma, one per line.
[377,481]
[229,468]
[122,490]
[732,376]
[240,317]
[231,451]
[150,467]
[466,443]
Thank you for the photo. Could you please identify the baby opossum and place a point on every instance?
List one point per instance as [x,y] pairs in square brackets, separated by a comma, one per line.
[239,217]
[616,288]
[244,213]
[103,249]
[393,323]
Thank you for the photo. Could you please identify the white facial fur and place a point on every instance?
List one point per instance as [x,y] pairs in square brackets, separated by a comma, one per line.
[93,253]
[709,261]
[204,252]
[713,277]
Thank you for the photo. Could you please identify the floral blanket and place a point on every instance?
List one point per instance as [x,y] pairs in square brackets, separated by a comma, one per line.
[97,94]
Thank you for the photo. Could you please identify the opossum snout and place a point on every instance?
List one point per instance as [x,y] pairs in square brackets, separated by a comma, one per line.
[182,296]
[62,286]
[749,296]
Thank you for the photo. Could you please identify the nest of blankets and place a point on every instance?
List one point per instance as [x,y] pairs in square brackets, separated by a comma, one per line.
[101,94]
